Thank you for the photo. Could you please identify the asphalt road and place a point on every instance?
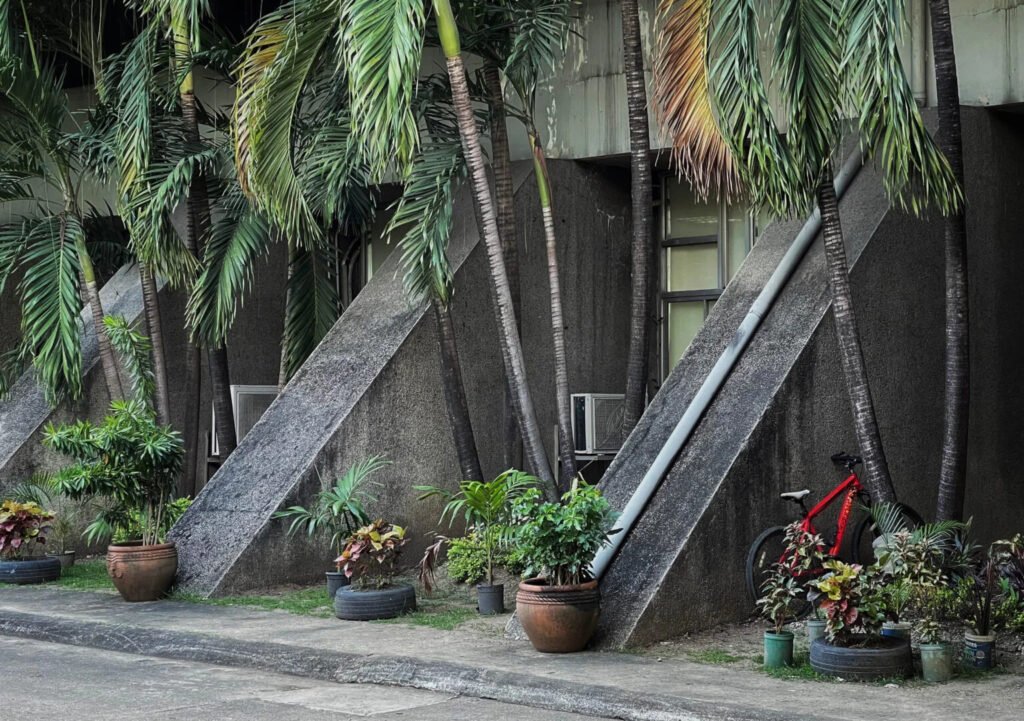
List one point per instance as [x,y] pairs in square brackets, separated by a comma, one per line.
[68,683]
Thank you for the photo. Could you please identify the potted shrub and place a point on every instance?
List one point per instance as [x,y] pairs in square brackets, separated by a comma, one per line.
[559,609]
[936,651]
[783,598]
[336,513]
[369,559]
[1003,558]
[131,465]
[486,508]
[22,526]
[67,515]
[853,647]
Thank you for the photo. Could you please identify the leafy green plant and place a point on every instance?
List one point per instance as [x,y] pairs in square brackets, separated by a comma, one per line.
[67,514]
[1004,559]
[850,596]
[21,525]
[486,508]
[370,556]
[781,589]
[128,461]
[339,510]
[560,540]
[466,561]
[132,530]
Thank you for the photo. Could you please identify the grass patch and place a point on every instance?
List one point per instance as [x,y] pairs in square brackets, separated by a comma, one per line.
[440,614]
[800,670]
[713,656]
[88,575]
[303,602]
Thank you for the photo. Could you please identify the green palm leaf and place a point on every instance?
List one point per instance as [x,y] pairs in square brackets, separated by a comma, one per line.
[312,307]
[51,304]
[382,45]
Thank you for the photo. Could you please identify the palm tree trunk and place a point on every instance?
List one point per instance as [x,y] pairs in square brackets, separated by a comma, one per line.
[566,448]
[504,199]
[154,329]
[282,373]
[199,222]
[455,393]
[641,248]
[876,469]
[956,411]
[92,297]
[511,349]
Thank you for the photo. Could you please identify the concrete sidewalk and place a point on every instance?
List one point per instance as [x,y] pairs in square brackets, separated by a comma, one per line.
[609,685]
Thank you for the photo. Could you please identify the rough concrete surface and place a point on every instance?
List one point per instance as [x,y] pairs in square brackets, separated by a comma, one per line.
[609,685]
[60,682]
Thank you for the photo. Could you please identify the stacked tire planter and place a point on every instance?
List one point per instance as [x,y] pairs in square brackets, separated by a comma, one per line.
[30,570]
[885,657]
[374,604]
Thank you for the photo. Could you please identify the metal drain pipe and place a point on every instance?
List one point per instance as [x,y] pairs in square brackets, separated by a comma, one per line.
[716,378]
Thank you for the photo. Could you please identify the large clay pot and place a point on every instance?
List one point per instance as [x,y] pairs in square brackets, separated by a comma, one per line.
[142,573]
[30,570]
[558,619]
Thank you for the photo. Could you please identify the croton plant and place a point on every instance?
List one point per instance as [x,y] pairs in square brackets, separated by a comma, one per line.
[370,556]
[850,597]
[21,525]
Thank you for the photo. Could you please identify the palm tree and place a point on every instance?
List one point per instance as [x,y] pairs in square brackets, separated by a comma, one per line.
[512,352]
[49,247]
[829,55]
[378,49]
[956,415]
[642,250]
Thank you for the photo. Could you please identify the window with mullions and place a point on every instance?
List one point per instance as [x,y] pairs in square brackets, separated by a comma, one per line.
[703,245]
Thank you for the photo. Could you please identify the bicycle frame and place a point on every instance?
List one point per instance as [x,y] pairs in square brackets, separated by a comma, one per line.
[852,488]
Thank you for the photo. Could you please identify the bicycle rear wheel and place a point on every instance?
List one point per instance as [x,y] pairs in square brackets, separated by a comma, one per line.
[767,550]
[862,549]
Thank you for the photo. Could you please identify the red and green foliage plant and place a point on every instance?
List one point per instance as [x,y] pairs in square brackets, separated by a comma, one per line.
[21,525]
[370,556]
[850,596]
[782,590]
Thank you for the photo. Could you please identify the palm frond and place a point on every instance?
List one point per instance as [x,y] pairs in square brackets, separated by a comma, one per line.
[189,12]
[683,99]
[238,237]
[808,53]
[135,350]
[423,217]
[382,45]
[915,171]
[278,62]
[134,131]
[740,99]
[50,305]
[540,34]
[312,306]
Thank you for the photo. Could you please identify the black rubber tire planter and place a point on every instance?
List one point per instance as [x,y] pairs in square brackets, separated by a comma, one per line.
[372,604]
[33,570]
[886,658]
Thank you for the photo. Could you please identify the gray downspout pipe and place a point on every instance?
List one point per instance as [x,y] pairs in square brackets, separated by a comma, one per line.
[716,378]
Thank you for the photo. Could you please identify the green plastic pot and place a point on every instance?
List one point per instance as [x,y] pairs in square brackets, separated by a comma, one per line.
[815,630]
[936,662]
[778,649]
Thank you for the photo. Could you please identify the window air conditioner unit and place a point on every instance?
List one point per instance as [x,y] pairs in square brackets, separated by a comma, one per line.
[248,404]
[597,422]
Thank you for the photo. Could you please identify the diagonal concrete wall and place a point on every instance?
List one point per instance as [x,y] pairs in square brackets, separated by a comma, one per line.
[784,410]
[372,387]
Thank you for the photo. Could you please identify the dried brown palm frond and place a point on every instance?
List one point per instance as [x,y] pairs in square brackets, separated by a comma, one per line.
[683,99]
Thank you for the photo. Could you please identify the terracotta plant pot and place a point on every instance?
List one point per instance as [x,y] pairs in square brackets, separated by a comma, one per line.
[558,619]
[142,573]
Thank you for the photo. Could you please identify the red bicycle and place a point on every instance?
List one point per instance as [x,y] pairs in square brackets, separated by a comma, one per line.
[770,547]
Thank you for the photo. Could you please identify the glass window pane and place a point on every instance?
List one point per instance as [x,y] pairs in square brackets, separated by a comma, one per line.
[684,320]
[686,217]
[693,267]
[738,240]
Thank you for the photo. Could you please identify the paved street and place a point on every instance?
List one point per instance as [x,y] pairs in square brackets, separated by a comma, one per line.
[65,683]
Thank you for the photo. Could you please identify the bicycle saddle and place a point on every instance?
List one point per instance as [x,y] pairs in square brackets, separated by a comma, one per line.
[844,459]
[795,495]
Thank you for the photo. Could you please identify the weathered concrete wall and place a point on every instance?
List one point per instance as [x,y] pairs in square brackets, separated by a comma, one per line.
[784,409]
[372,387]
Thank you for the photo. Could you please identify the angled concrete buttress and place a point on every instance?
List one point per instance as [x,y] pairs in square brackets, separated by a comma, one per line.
[784,408]
[372,387]
[25,411]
